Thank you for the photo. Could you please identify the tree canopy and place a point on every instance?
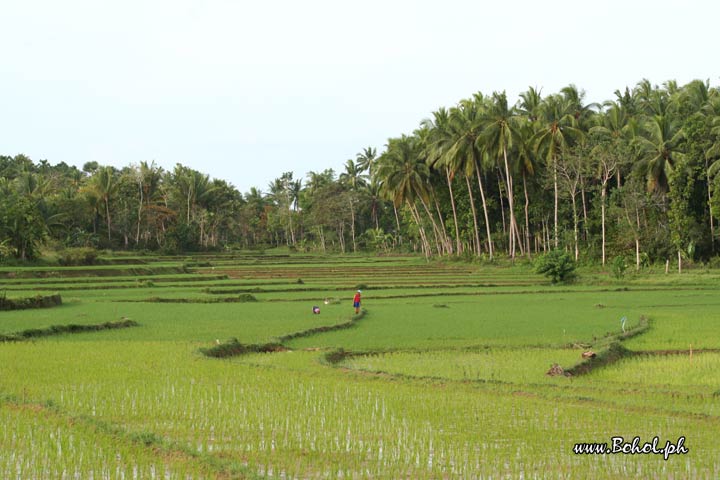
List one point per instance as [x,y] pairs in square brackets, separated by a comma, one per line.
[636,175]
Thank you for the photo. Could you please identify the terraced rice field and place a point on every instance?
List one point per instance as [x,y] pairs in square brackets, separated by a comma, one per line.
[443,375]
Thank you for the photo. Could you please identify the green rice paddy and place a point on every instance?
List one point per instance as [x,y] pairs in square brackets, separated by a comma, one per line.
[444,376]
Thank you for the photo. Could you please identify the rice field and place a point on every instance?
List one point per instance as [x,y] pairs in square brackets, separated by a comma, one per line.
[443,376]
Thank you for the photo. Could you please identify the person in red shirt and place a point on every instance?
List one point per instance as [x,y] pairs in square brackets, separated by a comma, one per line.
[356,302]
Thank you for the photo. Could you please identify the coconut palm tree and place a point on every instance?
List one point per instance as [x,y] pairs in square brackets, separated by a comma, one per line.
[423,135]
[149,177]
[582,113]
[498,135]
[194,188]
[295,188]
[372,190]
[530,104]
[317,180]
[712,155]
[466,124]
[614,131]
[366,160]
[658,144]
[627,101]
[614,123]
[529,107]
[652,100]
[555,133]
[103,186]
[404,175]
[354,179]
[353,175]
[440,139]
[697,95]
[526,164]
[703,103]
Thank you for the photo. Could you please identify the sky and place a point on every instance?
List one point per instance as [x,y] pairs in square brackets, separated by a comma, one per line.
[246,90]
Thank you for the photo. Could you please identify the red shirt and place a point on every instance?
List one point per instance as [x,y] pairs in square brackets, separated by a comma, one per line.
[357,298]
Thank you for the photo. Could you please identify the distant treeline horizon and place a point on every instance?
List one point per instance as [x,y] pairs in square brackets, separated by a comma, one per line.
[635,177]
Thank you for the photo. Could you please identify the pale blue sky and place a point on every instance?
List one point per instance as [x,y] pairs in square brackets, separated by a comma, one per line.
[246,90]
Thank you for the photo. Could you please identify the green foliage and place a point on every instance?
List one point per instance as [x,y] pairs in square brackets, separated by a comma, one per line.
[38,301]
[448,187]
[5,249]
[376,240]
[714,262]
[191,264]
[557,265]
[644,260]
[619,266]
[181,237]
[22,224]
[78,237]
[65,329]
[146,438]
[78,256]
[681,181]
[234,348]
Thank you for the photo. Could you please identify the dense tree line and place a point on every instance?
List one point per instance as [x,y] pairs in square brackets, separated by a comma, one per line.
[636,176]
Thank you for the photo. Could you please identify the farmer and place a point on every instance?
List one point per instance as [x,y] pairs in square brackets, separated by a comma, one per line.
[356,301]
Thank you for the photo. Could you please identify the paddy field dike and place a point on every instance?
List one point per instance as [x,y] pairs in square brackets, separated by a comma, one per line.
[214,366]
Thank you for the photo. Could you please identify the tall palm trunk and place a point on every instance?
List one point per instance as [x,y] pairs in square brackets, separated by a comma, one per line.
[397,223]
[603,194]
[374,214]
[423,236]
[321,235]
[575,226]
[527,217]
[292,230]
[636,234]
[140,205]
[518,243]
[341,236]
[107,215]
[502,205]
[188,207]
[484,204]
[637,240]
[352,225]
[586,235]
[511,202]
[555,187]
[712,222]
[436,233]
[458,250]
[447,243]
[474,216]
